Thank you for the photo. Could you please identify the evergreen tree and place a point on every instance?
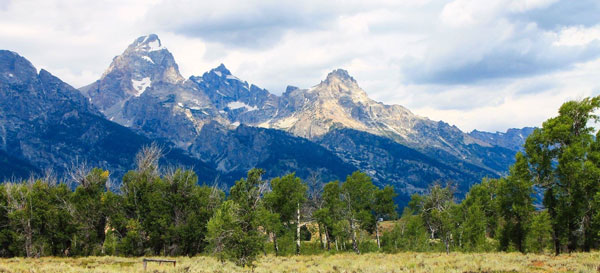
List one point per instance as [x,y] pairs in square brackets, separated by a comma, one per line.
[515,204]
[478,216]
[6,232]
[539,237]
[39,214]
[57,227]
[473,235]
[191,206]
[146,210]
[225,234]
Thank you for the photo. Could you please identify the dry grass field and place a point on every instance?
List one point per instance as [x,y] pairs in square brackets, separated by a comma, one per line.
[403,262]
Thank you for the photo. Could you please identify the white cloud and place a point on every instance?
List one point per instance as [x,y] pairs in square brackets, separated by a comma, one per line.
[577,36]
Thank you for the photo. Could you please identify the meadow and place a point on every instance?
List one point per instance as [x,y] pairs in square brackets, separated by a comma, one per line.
[346,262]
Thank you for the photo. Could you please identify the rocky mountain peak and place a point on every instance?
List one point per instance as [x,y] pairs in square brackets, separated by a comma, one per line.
[340,82]
[290,88]
[221,70]
[340,85]
[145,64]
[147,43]
[339,75]
[147,58]
[13,67]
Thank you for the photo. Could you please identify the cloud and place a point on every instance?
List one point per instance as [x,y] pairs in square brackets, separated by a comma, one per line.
[4,4]
[503,104]
[521,58]
[578,36]
[244,24]
[564,13]
[478,41]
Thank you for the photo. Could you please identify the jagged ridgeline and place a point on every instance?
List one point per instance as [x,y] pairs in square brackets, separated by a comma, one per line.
[224,126]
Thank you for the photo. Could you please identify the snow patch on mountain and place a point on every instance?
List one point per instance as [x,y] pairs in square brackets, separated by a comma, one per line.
[148,59]
[141,85]
[232,77]
[238,104]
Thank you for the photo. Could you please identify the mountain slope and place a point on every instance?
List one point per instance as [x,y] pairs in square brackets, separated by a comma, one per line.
[235,151]
[391,163]
[339,102]
[201,115]
[49,124]
[13,168]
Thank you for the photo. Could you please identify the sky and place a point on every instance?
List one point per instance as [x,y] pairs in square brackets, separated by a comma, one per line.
[486,65]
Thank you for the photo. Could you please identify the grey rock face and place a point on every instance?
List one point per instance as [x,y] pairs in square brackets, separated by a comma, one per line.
[237,100]
[236,151]
[512,139]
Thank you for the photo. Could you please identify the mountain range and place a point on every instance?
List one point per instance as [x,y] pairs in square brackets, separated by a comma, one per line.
[222,126]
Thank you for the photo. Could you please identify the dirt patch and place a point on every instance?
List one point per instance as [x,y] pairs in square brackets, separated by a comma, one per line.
[537,263]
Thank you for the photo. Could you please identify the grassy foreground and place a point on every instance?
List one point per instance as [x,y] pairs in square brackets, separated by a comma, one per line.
[403,262]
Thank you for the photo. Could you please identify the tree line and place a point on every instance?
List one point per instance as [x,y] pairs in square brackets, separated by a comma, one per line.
[560,163]
[159,211]
[166,212]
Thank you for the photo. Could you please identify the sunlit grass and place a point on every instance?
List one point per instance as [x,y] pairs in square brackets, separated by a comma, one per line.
[346,262]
